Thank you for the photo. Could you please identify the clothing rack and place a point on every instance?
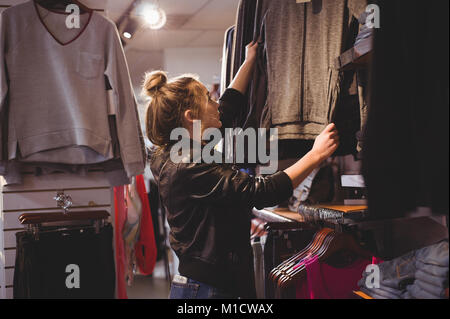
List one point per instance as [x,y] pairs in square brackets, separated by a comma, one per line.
[37,195]
[35,221]
[81,240]
[7,6]
[379,236]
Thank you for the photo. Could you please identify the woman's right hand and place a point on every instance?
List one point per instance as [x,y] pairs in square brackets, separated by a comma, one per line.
[326,142]
[251,51]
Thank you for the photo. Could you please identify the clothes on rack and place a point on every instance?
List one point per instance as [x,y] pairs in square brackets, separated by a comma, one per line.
[134,237]
[258,237]
[278,246]
[227,52]
[34,54]
[243,33]
[258,266]
[405,154]
[131,229]
[327,282]
[153,199]
[120,257]
[41,266]
[419,274]
[301,99]
[146,251]
[327,268]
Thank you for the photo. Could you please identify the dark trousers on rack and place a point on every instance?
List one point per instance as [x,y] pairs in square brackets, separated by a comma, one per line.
[65,264]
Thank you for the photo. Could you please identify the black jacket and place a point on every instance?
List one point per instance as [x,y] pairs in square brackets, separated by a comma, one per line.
[208,209]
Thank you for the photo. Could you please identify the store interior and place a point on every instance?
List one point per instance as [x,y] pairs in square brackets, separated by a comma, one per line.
[380,199]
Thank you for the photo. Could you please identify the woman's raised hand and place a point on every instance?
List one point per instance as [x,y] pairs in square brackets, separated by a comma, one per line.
[251,51]
[326,142]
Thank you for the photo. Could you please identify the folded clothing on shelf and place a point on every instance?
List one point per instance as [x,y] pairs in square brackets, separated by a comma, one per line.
[419,274]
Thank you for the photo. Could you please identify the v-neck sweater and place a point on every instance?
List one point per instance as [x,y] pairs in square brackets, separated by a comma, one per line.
[55,93]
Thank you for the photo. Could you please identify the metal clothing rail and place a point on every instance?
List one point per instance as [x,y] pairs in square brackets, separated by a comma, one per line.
[8,5]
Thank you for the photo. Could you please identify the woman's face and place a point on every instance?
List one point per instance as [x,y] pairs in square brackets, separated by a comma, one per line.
[210,115]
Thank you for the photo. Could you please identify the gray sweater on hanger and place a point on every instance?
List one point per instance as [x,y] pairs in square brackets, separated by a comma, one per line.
[52,87]
[303,40]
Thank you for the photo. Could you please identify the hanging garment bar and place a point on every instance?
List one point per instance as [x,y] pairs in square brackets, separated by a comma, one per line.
[61,4]
[94,219]
[40,218]
[9,5]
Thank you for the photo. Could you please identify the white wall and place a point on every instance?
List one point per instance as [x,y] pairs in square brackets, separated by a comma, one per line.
[140,62]
[205,62]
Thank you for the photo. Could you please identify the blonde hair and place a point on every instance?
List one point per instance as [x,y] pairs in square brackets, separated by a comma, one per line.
[169,101]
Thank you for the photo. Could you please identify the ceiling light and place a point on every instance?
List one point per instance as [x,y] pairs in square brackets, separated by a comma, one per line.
[127,35]
[154,16]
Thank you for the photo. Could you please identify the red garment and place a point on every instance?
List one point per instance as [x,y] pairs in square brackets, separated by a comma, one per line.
[120,218]
[145,248]
[326,282]
[376,260]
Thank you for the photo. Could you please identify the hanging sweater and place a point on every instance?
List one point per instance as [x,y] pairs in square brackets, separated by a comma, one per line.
[303,40]
[52,85]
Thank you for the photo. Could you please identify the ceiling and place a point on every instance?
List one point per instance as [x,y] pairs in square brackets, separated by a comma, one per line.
[199,23]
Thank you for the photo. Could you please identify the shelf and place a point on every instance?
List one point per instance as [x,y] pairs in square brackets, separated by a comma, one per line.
[362,295]
[281,218]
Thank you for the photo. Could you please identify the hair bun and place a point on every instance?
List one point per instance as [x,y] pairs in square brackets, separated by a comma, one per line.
[153,82]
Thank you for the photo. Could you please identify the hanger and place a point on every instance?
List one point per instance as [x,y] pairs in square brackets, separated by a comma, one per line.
[62,4]
[281,268]
[299,273]
[288,264]
[289,274]
[40,218]
[34,221]
[334,243]
[291,262]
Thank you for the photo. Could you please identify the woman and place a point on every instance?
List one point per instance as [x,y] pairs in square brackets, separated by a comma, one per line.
[209,205]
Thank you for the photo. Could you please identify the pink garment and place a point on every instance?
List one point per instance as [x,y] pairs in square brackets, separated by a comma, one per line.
[376,260]
[326,282]
[302,261]
[120,218]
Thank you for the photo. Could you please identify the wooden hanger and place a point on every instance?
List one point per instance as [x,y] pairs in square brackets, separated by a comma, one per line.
[291,262]
[344,241]
[313,246]
[332,244]
[298,272]
[40,218]
[62,4]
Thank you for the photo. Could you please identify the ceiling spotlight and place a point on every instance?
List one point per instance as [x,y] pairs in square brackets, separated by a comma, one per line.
[127,35]
[154,16]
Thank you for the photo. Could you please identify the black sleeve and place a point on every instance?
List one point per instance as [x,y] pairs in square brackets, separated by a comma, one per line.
[225,185]
[230,103]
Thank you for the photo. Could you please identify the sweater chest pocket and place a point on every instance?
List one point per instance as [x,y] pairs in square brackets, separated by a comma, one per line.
[89,65]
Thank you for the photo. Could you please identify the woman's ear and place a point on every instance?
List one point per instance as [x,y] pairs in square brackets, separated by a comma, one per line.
[188,116]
